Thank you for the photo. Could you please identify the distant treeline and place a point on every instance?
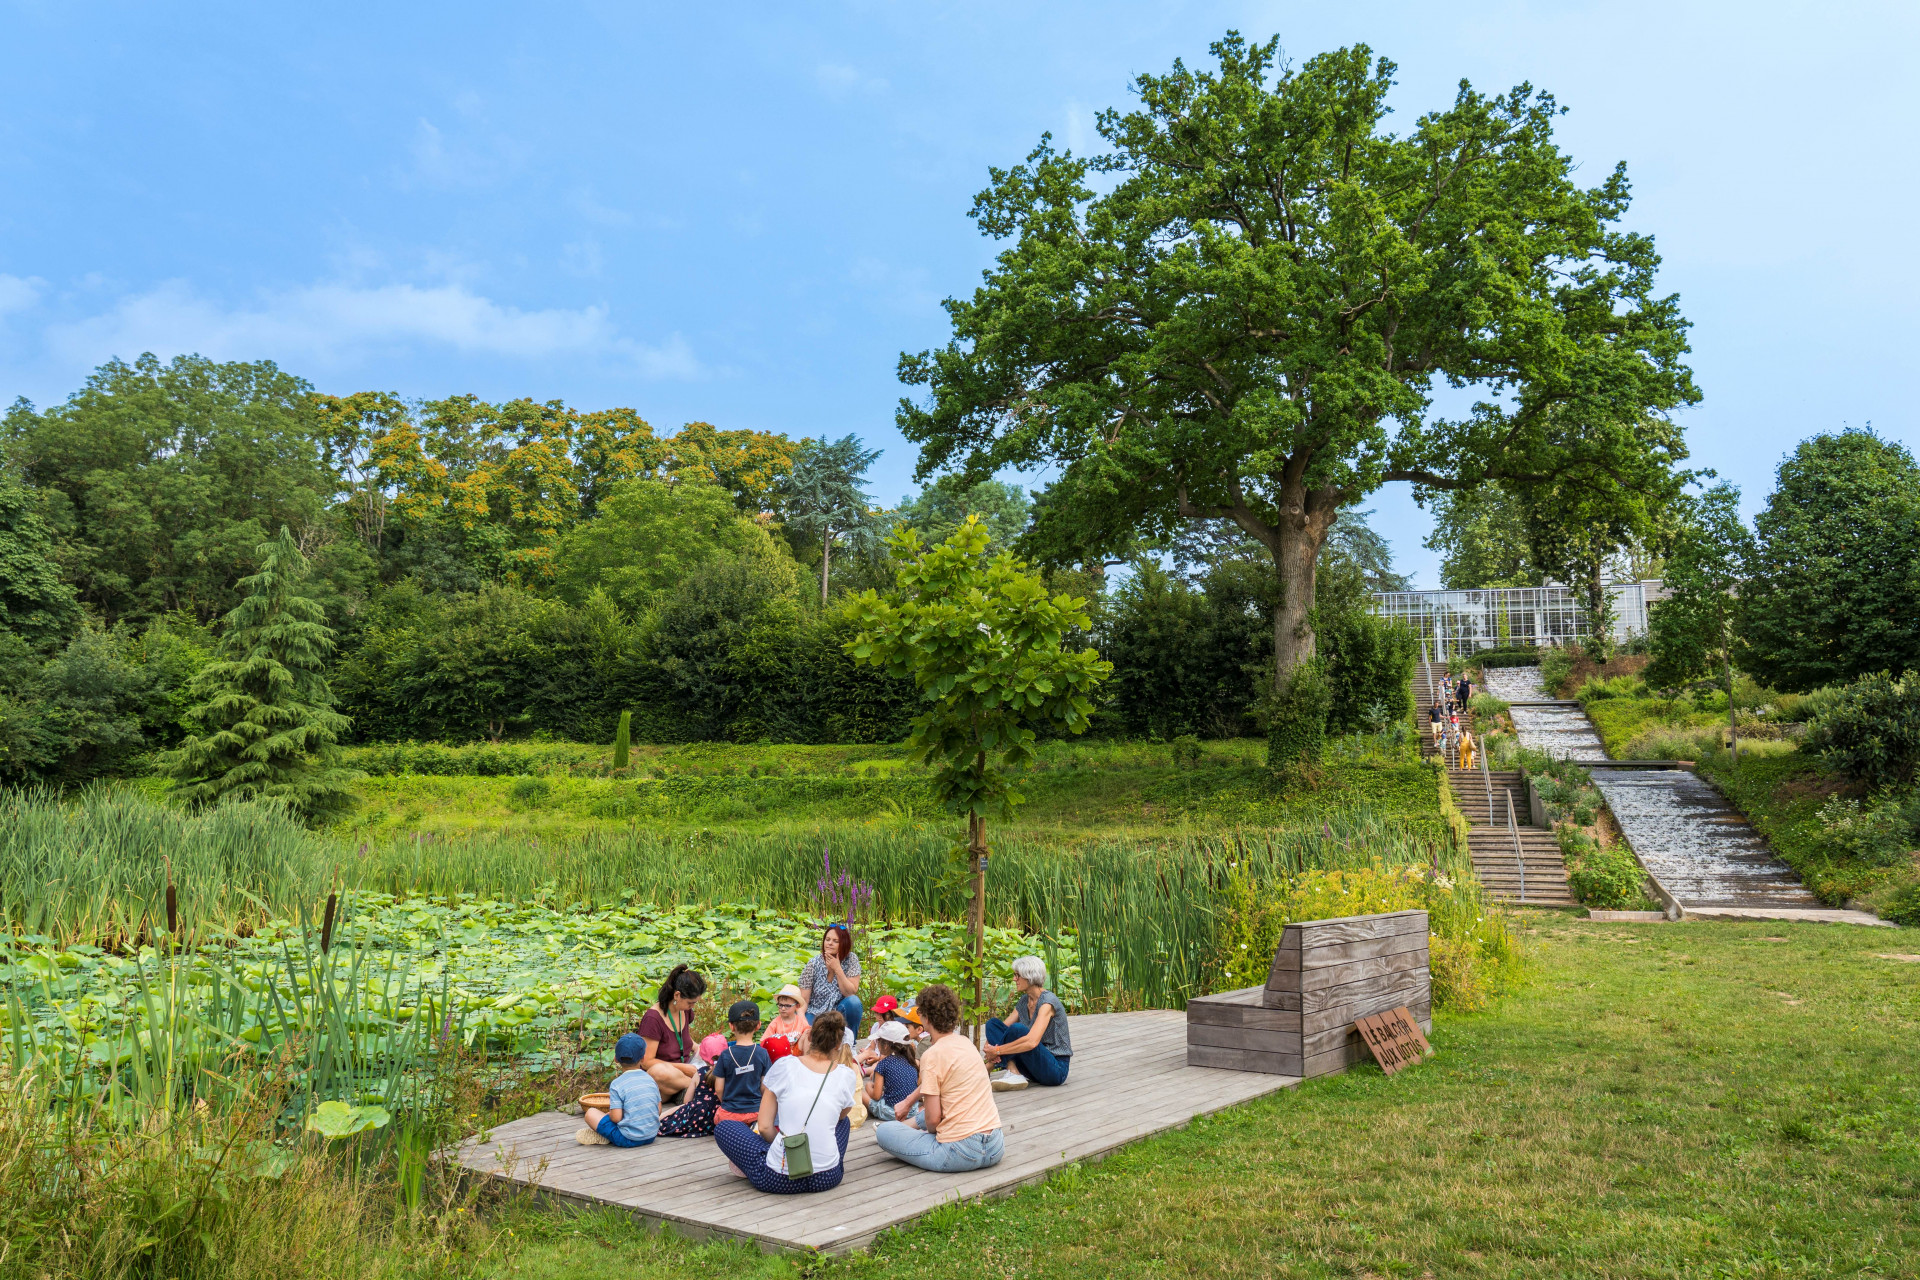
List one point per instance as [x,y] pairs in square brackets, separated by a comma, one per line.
[497,572]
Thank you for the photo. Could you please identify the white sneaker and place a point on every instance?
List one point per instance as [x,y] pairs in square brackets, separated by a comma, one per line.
[1007,1081]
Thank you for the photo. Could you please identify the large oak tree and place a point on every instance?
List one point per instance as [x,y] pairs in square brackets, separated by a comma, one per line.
[1244,309]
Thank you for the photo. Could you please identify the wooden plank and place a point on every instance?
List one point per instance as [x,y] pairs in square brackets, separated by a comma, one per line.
[1417,991]
[1244,1038]
[1323,933]
[1243,1016]
[1279,1064]
[1238,996]
[1341,953]
[1355,970]
[1367,991]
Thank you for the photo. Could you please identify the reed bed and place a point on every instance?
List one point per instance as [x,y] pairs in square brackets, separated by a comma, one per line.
[95,866]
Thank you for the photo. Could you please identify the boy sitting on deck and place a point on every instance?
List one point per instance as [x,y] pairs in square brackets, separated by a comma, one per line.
[632,1117]
[741,1066]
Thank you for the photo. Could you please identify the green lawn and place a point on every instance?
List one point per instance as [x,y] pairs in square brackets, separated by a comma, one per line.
[1700,1099]
[1080,792]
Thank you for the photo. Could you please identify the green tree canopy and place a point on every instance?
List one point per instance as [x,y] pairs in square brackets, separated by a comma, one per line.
[989,652]
[1691,631]
[943,505]
[1248,319]
[651,534]
[1481,535]
[1835,571]
[265,713]
[823,502]
[35,603]
[160,480]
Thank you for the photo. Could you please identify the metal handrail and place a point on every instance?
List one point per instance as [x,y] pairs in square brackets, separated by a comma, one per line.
[1487,778]
[1519,857]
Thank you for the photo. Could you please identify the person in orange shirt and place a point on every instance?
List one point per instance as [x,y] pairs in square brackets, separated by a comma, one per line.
[958,1128]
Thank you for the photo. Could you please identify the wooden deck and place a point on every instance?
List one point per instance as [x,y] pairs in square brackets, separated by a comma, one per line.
[1129,1080]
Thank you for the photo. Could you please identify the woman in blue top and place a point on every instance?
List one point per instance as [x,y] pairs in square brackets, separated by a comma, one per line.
[831,979]
[1035,1046]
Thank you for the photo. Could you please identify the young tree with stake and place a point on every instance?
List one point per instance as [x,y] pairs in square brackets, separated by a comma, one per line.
[987,648]
[1249,322]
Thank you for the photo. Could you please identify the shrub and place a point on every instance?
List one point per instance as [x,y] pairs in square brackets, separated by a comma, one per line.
[1616,687]
[1186,751]
[1899,900]
[1469,950]
[1603,876]
[1555,667]
[1879,833]
[1297,717]
[1520,656]
[528,793]
[1871,733]
[1369,662]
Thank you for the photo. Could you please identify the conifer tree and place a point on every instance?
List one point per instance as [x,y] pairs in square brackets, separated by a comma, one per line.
[268,727]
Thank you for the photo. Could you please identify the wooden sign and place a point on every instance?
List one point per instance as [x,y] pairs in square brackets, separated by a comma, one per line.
[1395,1039]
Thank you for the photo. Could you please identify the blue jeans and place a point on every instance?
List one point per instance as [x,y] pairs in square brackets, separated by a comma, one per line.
[849,1008]
[921,1149]
[611,1132]
[1037,1064]
[880,1109]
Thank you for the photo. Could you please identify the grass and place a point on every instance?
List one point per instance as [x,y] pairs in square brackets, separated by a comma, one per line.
[1705,1099]
[1075,796]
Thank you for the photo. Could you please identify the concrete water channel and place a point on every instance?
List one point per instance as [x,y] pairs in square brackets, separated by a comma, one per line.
[1701,853]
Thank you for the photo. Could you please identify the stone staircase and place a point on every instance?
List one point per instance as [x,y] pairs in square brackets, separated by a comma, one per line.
[1521,863]
[1429,678]
[1518,863]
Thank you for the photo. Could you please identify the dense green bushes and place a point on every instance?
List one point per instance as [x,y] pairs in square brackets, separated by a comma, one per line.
[1369,672]
[734,654]
[1871,731]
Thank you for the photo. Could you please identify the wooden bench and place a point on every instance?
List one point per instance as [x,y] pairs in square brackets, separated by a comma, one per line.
[1326,975]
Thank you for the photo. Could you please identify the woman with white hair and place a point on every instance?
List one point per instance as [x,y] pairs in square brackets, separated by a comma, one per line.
[1035,1045]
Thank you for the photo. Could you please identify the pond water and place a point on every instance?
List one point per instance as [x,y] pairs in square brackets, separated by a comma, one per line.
[1697,846]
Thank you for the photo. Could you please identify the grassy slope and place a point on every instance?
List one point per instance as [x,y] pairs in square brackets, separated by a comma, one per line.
[1620,720]
[1701,1099]
[1079,795]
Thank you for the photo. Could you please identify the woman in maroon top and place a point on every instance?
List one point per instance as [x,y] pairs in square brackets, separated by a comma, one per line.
[667,1029]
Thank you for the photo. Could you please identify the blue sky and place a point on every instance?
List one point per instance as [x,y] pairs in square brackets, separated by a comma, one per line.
[744,213]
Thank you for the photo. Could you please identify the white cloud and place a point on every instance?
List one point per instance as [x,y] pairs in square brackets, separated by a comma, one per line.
[840,82]
[17,293]
[335,323]
[1081,137]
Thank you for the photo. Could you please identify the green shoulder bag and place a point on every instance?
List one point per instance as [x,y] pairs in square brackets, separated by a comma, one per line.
[799,1150]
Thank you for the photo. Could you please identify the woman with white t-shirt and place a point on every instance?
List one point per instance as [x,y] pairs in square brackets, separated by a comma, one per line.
[807,1094]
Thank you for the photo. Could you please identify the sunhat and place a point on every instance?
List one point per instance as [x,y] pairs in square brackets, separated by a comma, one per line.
[891,1032]
[790,992]
[713,1046]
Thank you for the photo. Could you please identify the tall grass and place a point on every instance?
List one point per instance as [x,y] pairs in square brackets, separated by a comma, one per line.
[1139,912]
[95,866]
[201,1193]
